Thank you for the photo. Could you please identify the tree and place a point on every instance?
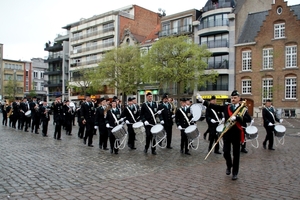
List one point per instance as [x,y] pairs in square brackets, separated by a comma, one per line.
[11,89]
[178,60]
[32,93]
[121,69]
[81,81]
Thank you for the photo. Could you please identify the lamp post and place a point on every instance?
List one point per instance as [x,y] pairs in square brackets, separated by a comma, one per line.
[15,80]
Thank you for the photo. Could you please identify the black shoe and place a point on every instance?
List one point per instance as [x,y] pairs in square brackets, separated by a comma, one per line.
[100,147]
[169,147]
[37,133]
[111,151]
[154,153]
[26,131]
[244,150]
[181,151]
[45,135]
[105,149]
[228,171]
[271,149]
[58,138]
[204,136]
[84,141]
[218,152]
[187,153]
[116,152]
[234,177]
[264,146]
[145,150]
[133,148]
[90,145]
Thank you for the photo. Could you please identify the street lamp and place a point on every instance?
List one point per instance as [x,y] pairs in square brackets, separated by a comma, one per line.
[15,79]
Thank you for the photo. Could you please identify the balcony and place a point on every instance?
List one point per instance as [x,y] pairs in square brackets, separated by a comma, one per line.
[216,44]
[218,65]
[53,72]
[78,64]
[213,23]
[53,59]
[215,87]
[91,48]
[53,84]
[54,48]
[91,34]
[217,6]
[187,29]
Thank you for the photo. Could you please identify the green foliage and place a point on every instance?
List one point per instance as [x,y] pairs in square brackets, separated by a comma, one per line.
[32,93]
[10,89]
[178,60]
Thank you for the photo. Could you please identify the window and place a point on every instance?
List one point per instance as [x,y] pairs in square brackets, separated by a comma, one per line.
[246,86]
[176,25]
[42,86]
[42,75]
[246,59]
[290,87]
[35,86]
[165,29]
[108,27]
[8,77]
[267,88]
[290,56]
[187,24]
[268,58]
[35,74]
[19,78]
[108,42]
[27,86]
[27,73]
[279,30]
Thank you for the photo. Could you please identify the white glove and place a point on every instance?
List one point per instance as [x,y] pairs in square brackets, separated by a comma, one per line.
[159,112]
[107,125]
[179,127]
[146,123]
[281,120]
[270,124]
[173,116]
[233,118]
[95,127]
[213,121]
[162,122]
[199,98]
[122,119]
[222,120]
[127,122]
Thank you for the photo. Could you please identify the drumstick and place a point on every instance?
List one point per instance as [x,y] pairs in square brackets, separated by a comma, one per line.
[158,111]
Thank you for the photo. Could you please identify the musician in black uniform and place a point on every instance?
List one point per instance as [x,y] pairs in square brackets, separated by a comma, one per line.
[15,116]
[166,118]
[23,119]
[100,122]
[130,114]
[113,119]
[148,111]
[235,134]
[57,108]
[183,119]
[68,117]
[88,119]
[213,119]
[80,124]
[45,117]
[269,118]
[136,107]
[35,116]
[4,113]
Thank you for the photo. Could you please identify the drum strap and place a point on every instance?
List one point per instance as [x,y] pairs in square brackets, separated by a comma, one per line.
[131,114]
[116,121]
[238,125]
[215,114]
[186,118]
[151,113]
[271,114]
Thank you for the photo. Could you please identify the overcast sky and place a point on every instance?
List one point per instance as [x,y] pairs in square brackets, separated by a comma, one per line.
[26,25]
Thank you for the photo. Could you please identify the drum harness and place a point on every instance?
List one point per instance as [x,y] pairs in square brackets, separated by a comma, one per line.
[118,144]
[139,137]
[281,139]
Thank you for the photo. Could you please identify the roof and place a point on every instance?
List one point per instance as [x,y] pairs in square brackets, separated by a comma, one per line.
[296,10]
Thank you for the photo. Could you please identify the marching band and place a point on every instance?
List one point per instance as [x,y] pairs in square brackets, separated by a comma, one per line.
[151,120]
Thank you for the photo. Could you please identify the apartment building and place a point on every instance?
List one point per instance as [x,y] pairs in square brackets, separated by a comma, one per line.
[58,67]
[218,27]
[1,80]
[39,79]
[91,38]
[267,59]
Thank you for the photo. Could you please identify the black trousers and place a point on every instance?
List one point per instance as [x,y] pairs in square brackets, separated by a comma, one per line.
[4,120]
[57,130]
[131,136]
[168,129]
[89,132]
[184,141]
[81,129]
[149,138]
[112,140]
[35,124]
[269,136]
[103,136]
[213,137]
[45,126]
[232,140]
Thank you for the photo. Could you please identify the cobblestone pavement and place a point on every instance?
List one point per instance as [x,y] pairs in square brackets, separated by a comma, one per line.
[35,167]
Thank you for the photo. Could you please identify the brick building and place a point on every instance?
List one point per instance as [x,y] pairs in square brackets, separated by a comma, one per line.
[267,59]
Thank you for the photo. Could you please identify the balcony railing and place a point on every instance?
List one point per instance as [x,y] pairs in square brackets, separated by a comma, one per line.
[80,37]
[77,64]
[213,23]
[177,31]
[218,65]
[217,6]
[214,87]
[216,43]
[100,46]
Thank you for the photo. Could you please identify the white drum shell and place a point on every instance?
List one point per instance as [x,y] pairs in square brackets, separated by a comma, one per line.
[220,128]
[251,132]
[119,131]
[138,127]
[192,132]
[279,130]
[158,130]
[28,113]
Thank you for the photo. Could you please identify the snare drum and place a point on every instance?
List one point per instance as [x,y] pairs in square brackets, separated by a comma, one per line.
[220,128]
[138,127]
[192,132]
[251,132]
[158,131]
[119,131]
[279,130]
[28,113]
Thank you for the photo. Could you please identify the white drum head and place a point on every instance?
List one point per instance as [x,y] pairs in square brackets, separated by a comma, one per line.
[220,128]
[117,128]
[137,125]
[157,128]
[190,129]
[251,130]
[280,128]
[196,110]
